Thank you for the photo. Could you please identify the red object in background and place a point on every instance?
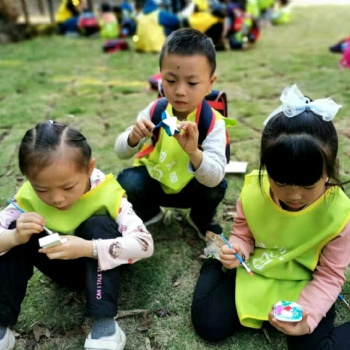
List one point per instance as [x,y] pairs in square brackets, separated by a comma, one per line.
[344,62]
[154,82]
[111,46]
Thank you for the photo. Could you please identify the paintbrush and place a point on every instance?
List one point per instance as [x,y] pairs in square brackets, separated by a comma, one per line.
[21,210]
[343,300]
[239,258]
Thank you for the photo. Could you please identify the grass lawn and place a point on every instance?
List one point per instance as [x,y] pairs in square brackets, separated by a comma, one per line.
[71,80]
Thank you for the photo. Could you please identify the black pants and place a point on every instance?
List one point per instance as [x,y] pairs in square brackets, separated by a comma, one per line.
[102,287]
[214,314]
[146,195]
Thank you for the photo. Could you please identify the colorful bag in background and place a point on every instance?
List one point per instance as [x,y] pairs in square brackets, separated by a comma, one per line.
[344,62]
[343,47]
[88,23]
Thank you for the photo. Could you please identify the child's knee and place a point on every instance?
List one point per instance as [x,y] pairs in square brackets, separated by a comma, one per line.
[215,194]
[98,226]
[131,179]
[204,324]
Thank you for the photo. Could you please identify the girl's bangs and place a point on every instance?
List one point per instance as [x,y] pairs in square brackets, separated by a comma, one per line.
[298,164]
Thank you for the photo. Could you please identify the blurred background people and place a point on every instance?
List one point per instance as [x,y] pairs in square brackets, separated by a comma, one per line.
[67,16]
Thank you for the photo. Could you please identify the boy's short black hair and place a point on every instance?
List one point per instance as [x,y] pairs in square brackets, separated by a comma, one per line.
[189,42]
[106,7]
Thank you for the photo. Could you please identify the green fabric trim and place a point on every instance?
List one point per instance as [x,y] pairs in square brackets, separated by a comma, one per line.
[104,199]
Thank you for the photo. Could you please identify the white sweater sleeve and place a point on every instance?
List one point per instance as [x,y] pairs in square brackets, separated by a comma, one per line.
[121,146]
[212,169]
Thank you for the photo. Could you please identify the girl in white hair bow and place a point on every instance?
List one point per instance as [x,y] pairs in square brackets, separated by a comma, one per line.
[292,228]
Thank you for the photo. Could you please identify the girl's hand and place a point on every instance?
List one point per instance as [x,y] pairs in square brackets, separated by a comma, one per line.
[74,248]
[26,225]
[142,128]
[188,138]
[290,328]
[227,256]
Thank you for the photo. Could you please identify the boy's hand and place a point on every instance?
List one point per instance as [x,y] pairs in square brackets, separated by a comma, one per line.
[142,128]
[188,138]
[290,328]
[26,225]
[74,248]
[227,256]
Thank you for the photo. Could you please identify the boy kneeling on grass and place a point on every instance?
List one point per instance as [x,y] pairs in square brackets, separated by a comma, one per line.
[176,171]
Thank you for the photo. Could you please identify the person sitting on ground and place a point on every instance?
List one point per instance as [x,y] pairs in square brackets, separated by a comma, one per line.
[67,16]
[208,18]
[154,24]
[101,232]
[292,229]
[108,23]
[282,12]
[175,172]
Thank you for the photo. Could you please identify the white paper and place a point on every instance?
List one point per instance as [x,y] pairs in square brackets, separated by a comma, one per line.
[51,240]
[236,167]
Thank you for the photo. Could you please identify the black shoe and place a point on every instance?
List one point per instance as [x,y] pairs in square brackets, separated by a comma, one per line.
[214,227]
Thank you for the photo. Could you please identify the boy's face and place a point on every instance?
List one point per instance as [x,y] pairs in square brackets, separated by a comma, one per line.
[186,80]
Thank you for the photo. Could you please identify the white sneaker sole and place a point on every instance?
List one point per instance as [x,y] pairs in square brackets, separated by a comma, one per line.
[107,343]
[8,341]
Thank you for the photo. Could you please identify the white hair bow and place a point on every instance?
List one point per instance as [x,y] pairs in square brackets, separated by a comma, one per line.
[294,103]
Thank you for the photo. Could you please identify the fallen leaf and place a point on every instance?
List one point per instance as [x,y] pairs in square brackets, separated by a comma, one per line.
[39,332]
[163,312]
[176,284]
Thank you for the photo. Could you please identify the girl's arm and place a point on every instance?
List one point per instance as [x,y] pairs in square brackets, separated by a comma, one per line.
[7,237]
[135,244]
[328,278]
[241,234]
[27,224]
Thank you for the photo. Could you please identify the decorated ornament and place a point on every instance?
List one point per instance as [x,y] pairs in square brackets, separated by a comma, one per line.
[168,123]
[287,311]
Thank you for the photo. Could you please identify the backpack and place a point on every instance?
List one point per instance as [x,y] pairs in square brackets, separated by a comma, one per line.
[205,118]
[114,45]
[344,62]
[88,24]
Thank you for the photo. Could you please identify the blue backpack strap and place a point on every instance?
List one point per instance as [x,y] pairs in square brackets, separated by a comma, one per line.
[205,120]
[156,116]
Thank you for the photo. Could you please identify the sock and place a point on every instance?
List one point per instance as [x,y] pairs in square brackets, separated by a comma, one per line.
[102,327]
[2,331]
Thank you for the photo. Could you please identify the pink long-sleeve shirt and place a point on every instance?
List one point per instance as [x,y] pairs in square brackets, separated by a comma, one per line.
[328,278]
[136,242]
